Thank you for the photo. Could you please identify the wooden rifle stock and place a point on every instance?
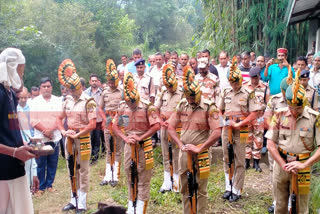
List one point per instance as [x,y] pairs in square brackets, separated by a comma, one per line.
[112,149]
[294,194]
[72,166]
[230,156]
[134,175]
[192,185]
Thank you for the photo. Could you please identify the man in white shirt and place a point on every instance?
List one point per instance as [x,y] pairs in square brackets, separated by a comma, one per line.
[315,71]
[43,113]
[124,60]
[223,69]
[156,72]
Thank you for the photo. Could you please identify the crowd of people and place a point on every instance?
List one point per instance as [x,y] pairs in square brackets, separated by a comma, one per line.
[188,105]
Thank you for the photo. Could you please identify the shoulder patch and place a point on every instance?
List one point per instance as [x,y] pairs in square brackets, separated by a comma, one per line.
[91,105]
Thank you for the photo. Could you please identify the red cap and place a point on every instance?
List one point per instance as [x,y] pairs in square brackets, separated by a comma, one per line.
[282,50]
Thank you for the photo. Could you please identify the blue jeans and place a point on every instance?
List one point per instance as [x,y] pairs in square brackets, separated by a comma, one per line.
[47,167]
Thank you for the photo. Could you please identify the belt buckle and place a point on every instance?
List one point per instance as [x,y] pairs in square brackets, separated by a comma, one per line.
[291,158]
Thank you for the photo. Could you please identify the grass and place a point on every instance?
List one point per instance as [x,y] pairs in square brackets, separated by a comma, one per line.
[255,199]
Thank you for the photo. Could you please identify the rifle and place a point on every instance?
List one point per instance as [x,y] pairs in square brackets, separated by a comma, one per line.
[112,149]
[134,175]
[192,184]
[294,195]
[173,186]
[230,156]
[72,166]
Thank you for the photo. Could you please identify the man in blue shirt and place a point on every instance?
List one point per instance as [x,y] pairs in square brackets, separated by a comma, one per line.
[130,67]
[274,73]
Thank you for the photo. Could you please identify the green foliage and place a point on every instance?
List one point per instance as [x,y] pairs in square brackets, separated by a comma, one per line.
[236,26]
[90,31]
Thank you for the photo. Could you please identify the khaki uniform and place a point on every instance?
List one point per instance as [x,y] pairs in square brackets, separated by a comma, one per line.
[312,97]
[276,102]
[196,126]
[145,86]
[79,113]
[236,105]
[109,102]
[137,122]
[256,128]
[294,137]
[209,86]
[166,103]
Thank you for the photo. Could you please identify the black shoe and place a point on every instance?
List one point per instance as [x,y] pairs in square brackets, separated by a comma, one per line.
[103,183]
[113,183]
[69,207]
[234,197]
[163,190]
[247,164]
[226,195]
[271,208]
[80,211]
[256,165]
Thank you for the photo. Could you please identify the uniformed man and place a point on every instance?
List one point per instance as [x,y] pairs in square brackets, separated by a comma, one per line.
[140,121]
[209,83]
[80,110]
[238,107]
[276,102]
[256,129]
[166,103]
[311,92]
[296,129]
[144,82]
[110,99]
[200,129]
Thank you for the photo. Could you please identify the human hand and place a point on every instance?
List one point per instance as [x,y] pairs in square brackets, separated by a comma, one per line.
[295,166]
[191,148]
[130,140]
[35,184]
[285,63]
[48,133]
[24,153]
[270,62]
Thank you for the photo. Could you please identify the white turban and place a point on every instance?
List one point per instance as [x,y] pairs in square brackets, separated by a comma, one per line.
[10,58]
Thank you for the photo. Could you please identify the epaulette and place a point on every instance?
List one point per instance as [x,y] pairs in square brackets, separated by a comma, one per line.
[284,109]
[208,102]
[279,95]
[145,102]
[226,90]
[184,101]
[311,111]
[68,97]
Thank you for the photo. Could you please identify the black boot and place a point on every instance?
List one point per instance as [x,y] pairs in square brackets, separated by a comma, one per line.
[247,165]
[256,165]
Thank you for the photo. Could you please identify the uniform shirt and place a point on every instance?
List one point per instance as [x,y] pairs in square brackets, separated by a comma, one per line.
[197,122]
[145,86]
[260,92]
[10,168]
[290,133]
[79,112]
[312,96]
[239,102]
[110,99]
[137,121]
[167,102]
[275,102]
[209,86]
[46,113]
[275,76]
[96,96]
[222,71]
